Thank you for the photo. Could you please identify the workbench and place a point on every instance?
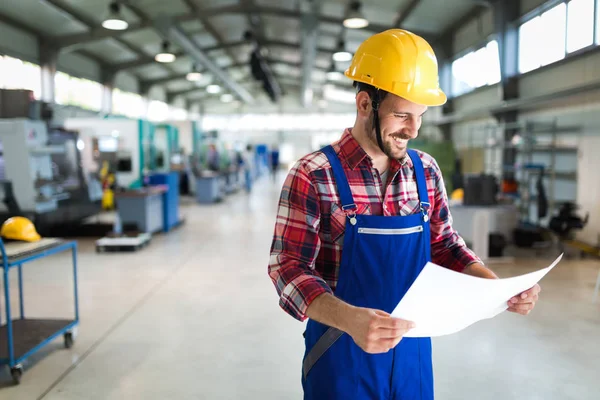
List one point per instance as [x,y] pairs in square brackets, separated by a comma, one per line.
[20,338]
[209,187]
[143,207]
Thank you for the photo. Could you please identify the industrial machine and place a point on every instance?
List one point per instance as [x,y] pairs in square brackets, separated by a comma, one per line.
[126,144]
[41,175]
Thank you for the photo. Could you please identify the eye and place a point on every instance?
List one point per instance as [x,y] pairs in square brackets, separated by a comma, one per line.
[402,116]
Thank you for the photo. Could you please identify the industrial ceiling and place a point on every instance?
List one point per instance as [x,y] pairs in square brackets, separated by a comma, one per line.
[296,39]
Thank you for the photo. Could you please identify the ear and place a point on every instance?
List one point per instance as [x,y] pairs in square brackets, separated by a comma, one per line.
[363,104]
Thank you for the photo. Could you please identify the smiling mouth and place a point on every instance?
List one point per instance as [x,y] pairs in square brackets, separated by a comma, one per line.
[399,141]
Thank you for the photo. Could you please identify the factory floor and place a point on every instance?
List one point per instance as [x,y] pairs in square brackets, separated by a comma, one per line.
[194,316]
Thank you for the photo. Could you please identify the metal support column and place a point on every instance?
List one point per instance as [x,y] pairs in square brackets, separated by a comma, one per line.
[505,14]
[108,84]
[48,60]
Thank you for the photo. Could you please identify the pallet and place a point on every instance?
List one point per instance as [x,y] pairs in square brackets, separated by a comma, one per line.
[123,244]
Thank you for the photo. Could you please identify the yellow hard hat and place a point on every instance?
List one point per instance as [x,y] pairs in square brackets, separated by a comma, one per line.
[458,194]
[19,228]
[401,63]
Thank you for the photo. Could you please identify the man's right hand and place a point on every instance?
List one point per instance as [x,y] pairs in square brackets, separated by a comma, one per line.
[376,331]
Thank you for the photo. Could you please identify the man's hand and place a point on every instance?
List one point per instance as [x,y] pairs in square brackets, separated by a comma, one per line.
[524,302]
[376,331]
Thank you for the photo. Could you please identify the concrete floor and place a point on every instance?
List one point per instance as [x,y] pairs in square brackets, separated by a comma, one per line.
[194,316]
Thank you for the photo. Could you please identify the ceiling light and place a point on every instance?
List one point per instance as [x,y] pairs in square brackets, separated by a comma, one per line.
[227,98]
[213,89]
[342,56]
[355,19]
[334,75]
[165,56]
[194,75]
[115,21]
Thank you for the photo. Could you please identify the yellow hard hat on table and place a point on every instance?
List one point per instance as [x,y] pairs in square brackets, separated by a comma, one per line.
[19,228]
[401,63]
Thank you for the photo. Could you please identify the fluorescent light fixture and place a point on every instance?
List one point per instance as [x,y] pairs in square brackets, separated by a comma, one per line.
[334,75]
[165,56]
[342,56]
[355,19]
[115,21]
[338,95]
[193,76]
[213,89]
[226,98]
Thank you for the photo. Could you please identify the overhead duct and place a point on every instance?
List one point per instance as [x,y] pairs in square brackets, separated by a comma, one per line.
[169,30]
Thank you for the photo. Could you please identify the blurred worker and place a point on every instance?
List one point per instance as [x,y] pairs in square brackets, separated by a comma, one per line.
[347,279]
[248,164]
[274,162]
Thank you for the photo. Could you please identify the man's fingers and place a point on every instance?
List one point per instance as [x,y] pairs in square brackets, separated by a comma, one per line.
[394,324]
[531,293]
[522,307]
[392,333]
[528,300]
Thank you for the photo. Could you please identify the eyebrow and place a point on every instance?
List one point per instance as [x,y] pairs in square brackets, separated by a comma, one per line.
[411,114]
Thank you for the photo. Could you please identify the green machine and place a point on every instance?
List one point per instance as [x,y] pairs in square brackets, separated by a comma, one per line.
[159,148]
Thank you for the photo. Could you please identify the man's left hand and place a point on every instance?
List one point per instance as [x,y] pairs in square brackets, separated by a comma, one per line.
[524,302]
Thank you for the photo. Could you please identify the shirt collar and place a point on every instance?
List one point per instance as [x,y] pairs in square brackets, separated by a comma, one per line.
[355,155]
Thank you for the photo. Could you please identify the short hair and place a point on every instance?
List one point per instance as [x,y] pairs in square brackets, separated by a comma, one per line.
[370,89]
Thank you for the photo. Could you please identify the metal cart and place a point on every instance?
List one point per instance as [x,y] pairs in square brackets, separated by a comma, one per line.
[20,338]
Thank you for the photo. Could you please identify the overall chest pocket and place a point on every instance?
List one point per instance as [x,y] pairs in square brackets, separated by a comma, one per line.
[336,221]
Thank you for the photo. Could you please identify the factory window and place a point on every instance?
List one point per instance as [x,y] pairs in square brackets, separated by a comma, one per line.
[128,104]
[476,69]
[178,114]
[158,111]
[580,24]
[77,92]
[17,74]
[542,39]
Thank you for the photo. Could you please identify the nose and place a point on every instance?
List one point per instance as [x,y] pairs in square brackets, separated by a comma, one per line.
[412,127]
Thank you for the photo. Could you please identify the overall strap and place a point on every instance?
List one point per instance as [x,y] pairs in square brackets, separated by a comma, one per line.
[420,177]
[340,179]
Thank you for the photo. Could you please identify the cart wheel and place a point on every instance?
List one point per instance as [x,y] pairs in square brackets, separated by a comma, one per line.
[68,340]
[16,373]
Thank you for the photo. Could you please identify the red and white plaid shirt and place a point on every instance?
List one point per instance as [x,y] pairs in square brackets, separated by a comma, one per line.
[309,231]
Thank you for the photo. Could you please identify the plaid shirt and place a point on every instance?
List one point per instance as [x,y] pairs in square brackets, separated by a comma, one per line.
[309,231]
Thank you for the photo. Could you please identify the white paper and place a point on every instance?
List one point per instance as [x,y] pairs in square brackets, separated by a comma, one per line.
[441,301]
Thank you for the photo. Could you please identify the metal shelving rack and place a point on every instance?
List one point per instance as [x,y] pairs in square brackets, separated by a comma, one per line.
[527,170]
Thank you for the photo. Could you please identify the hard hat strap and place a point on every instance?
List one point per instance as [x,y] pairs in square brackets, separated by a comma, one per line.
[375,104]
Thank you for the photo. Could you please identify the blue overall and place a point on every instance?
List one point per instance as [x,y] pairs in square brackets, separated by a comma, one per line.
[381,258]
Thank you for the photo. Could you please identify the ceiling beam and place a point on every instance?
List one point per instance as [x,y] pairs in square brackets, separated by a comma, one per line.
[149,60]
[250,80]
[405,12]
[177,77]
[210,28]
[171,31]
[63,7]
[73,41]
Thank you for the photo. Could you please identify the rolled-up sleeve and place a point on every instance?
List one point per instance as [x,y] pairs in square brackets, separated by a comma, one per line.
[296,244]
[448,249]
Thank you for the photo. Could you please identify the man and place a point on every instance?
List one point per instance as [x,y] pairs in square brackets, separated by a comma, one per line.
[358,221]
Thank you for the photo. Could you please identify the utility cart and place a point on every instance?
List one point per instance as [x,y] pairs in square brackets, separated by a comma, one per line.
[20,338]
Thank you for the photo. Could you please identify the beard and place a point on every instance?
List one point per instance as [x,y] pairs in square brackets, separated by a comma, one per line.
[390,148]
